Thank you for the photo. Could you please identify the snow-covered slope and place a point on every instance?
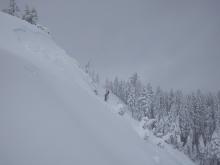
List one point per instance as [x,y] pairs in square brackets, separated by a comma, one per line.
[49,114]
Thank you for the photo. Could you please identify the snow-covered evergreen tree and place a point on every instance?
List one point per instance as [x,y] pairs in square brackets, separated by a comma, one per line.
[213,149]
[149,102]
[131,101]
[196,120]
[158,104]
[184,121]
[142,104]
[13,9]
[30,16]
[170,100]
[209,119]
[34,16]
[135,82]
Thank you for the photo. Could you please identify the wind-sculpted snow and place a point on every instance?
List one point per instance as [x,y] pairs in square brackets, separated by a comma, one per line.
[49,114]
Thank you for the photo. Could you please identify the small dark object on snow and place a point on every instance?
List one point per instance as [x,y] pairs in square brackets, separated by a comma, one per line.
[96,92]
[106,95]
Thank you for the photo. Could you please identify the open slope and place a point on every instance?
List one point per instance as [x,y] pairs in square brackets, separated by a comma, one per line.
[49,114]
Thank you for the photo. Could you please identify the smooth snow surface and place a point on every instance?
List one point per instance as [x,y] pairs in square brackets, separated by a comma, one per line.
[50,116]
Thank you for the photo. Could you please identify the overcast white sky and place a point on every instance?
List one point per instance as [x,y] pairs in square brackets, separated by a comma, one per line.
[171,43]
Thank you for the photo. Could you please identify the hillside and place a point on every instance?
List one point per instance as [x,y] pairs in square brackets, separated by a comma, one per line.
[49,114]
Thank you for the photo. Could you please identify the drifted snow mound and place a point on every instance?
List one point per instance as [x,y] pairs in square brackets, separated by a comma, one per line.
[49,114]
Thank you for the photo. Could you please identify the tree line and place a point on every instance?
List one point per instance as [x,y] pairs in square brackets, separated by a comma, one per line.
[190,122]
[29,15]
